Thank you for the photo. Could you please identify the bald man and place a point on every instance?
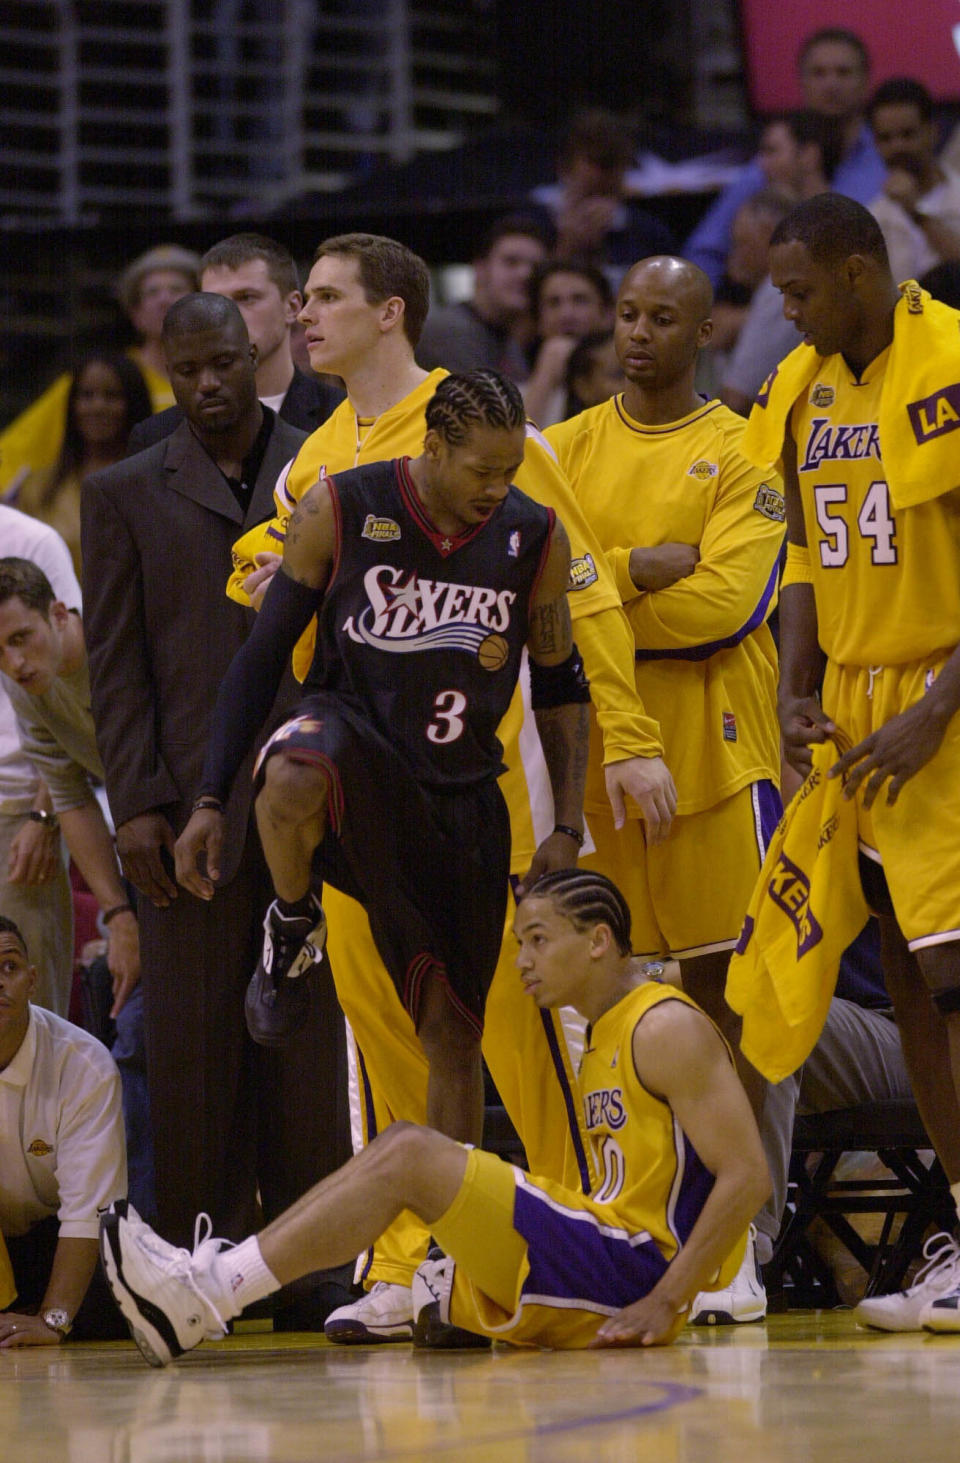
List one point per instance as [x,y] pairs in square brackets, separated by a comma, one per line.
[693,534]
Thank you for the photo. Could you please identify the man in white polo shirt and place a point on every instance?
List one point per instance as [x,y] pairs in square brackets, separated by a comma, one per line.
[62,1158]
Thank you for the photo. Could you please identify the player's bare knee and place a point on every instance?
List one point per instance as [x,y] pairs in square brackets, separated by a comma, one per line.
[446,1037]
[292,790]
[403,1150]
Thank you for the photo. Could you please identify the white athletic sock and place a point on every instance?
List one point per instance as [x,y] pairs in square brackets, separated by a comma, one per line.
[243,1276]
[955,1191]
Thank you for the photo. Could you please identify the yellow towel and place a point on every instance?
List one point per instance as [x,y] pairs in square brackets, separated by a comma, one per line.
[807,906]
[919,403]
[8,1286]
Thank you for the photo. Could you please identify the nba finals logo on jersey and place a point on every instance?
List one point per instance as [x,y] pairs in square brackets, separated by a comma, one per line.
[582,572]
[604,1109]
[790,891]
[770,503]
[703,470]
[844,443]
[822,395]
[406,613]
[380,530]
[935,415]
[39,1149]
[729,727]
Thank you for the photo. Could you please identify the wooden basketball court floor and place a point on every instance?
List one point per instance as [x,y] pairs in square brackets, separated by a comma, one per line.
[803,1386]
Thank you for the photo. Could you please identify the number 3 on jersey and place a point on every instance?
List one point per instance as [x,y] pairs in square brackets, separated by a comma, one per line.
[875,522]
[447,724]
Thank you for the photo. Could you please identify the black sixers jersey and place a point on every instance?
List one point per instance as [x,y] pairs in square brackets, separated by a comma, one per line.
[423,632]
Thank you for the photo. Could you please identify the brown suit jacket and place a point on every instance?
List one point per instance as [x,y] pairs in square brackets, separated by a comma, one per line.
[157,532]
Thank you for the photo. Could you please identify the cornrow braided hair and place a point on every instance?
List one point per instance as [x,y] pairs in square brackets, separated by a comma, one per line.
[475,398]
[586,898]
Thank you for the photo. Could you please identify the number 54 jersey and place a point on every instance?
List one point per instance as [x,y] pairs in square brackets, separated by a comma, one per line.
[887,583]
[422,631]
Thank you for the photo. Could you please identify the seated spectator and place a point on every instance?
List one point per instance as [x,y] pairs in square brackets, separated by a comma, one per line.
[594,220]
[593,373]
[107,397]
[146,290]
[34,888]
[802,169]
[43,666]
[484,331]
[569,301]
[746,265]
[834,70]
[260,276]
[61,1160]
[919,207]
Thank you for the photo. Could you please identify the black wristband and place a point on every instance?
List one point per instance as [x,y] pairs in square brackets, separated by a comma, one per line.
[109,914]
[207,800]
[570,833]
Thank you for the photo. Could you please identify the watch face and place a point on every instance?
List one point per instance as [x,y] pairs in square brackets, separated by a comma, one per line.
[57,1321]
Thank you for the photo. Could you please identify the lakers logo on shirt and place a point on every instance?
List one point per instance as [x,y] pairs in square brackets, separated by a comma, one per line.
[935,415]
[703,470]
[847,442]
[380,530]
[39,1149]
[822,395]
[789,888]
[604,1108]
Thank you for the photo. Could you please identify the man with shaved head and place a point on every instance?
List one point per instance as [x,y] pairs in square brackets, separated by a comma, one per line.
[229,1118]
[693,533]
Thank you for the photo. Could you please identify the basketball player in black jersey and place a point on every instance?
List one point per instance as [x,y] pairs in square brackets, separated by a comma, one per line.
[428,577]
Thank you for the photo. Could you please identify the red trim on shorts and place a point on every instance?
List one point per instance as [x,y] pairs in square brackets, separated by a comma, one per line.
[313,758]
[421,966]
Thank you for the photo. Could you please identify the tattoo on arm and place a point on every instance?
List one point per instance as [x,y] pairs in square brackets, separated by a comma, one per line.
[565,738]
[550,630]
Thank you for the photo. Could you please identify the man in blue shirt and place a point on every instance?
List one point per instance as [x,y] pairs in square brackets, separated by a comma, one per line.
[834,71]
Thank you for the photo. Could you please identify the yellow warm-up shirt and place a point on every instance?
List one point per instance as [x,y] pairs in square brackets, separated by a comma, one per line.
[705,659]
[886,582]
[602,634]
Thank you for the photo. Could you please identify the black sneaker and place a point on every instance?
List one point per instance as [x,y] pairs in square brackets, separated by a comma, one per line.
[278,996]
[431,1290]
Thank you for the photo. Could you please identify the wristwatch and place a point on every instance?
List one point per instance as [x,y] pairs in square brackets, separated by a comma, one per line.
[58,1320]
[49,820]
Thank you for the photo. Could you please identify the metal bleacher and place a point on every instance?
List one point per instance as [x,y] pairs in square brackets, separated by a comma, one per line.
[187,108]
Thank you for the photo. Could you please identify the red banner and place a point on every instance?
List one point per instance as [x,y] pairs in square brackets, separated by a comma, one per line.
[922,41]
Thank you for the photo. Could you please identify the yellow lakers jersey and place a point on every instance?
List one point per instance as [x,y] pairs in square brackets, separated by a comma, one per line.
[649,1172]
[342,443]
[886,582]
[706,664]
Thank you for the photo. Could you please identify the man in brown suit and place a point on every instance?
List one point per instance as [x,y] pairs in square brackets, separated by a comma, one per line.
[229,1118]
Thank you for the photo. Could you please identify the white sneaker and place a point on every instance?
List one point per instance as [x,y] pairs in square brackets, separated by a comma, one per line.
[385,1313]
[943,1313]
[744,1299]
[906,1310]
[165,1293]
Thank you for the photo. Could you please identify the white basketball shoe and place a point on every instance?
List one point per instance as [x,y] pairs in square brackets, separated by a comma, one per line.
[906,1310]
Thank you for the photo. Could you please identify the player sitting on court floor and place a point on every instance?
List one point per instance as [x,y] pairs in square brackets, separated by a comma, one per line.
[525,1260]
